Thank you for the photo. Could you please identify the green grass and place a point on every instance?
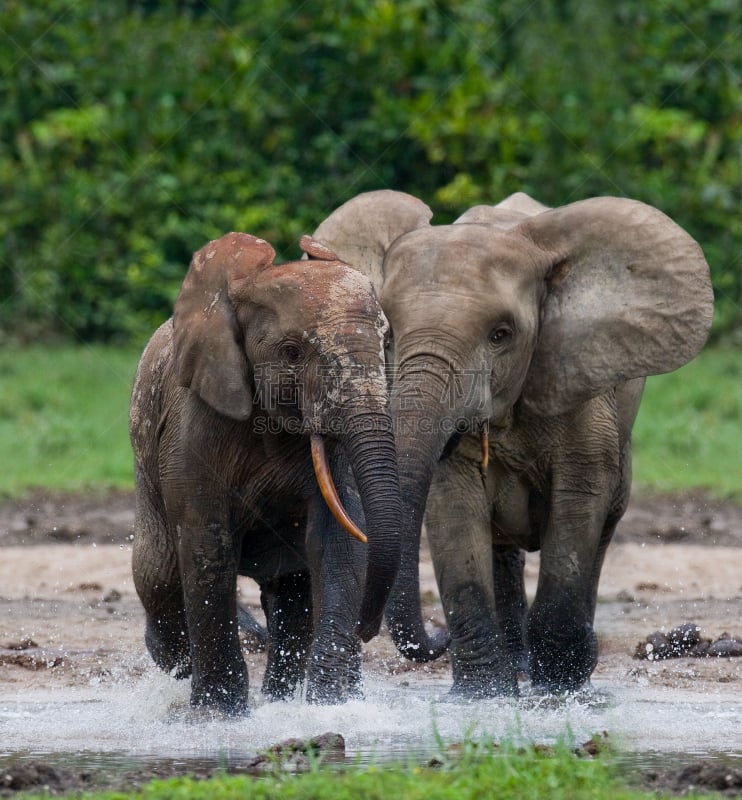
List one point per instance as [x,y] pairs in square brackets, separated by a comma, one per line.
[64,418]
[506,773]
[63,421]
[689,429]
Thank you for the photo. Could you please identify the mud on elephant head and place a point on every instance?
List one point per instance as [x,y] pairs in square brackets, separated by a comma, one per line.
[521,336]
[262,437]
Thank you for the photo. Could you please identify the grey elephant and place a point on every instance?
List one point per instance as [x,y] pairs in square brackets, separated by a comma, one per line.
[262,436]
[521,337]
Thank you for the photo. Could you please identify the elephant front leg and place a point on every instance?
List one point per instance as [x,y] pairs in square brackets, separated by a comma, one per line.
[511,605]
[208,568]
[287,603]
[458,529]
[589,488]
[337,565]
[562,645]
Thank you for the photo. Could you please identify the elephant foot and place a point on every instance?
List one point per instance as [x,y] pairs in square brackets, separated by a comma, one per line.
[538,697]
[334,670]
[564,665]
[333,685]
[477,682]
[220,700]
[558,684]
[281,684]
[331,696]
[170,653]
[224,694]
[334,691]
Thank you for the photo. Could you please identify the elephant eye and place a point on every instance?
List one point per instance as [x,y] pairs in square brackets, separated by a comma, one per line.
[500,334]
[291,353]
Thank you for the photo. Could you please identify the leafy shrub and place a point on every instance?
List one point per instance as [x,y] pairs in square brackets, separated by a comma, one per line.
[133,133]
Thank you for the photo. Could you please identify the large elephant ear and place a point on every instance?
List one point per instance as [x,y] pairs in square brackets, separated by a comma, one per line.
[361,231]
[207,350]
[508,213]
[628,294]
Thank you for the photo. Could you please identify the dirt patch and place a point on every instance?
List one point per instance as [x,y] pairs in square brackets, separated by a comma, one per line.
[108,518]
[292,755]
[701,776]
[87,518]
[39,777]
[69,614]
[691,518]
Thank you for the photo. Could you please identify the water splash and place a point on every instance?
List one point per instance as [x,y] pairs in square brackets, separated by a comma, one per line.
[149,717]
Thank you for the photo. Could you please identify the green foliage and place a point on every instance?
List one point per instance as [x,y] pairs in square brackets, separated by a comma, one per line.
[64,417]
[131,133]
[689,426]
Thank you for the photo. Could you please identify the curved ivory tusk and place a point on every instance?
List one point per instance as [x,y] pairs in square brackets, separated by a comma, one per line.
[327,487]
[484,439]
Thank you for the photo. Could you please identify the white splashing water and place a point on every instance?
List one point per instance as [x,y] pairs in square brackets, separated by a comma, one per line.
[149,717]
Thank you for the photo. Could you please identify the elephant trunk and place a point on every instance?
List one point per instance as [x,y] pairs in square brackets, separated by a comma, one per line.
[368,439]
[418,454]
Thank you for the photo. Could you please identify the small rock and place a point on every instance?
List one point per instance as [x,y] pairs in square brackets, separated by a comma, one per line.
[22,776]
[598,744]
[683,637]
[655,647]
[294,754]
[23,644]
[701,649]
[703,775]
[729,647]
[685,640]
[677,642]
[31,660]
[65,533]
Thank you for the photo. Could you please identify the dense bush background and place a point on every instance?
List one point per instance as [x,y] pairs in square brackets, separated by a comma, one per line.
[132,133]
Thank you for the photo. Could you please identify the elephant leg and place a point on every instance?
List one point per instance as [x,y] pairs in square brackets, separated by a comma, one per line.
[589,484]
[458,527]
[511,604]
[562,646]
[337,566]
[287,602]
[618,506]
[157,581]
[208,566]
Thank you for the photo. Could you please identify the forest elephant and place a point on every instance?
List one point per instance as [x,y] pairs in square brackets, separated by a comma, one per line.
[520,340]
[262,437]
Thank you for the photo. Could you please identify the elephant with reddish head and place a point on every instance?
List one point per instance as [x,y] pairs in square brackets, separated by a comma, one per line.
[262,439]
[520,340]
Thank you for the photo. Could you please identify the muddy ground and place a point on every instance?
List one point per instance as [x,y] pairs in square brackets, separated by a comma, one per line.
[68,610]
